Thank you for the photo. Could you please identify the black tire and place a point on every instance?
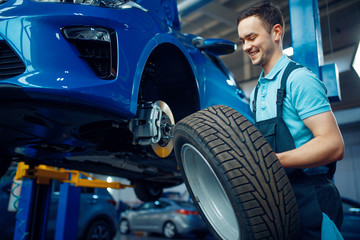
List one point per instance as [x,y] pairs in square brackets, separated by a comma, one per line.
[100,230]
[148,191]
[169,230]
[201,235]
[124,226]
[234,177]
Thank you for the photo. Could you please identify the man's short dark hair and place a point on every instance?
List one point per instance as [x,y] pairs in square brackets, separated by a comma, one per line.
[269,14]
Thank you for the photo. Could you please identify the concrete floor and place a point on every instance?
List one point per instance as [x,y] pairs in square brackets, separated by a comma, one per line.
[148,236]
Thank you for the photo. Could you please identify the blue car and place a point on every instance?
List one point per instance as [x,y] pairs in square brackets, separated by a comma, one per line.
[98,86]
[350,228]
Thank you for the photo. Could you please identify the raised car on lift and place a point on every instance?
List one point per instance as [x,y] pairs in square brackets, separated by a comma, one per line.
[98,86]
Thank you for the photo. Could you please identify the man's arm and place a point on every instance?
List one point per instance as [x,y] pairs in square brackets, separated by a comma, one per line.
[326,147]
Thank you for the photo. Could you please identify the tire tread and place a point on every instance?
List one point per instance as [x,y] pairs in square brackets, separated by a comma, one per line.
[270,208]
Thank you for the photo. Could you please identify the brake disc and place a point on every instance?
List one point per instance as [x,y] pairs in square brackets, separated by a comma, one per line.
[164,147]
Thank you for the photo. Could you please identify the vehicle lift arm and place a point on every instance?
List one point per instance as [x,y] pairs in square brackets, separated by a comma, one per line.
[35,199]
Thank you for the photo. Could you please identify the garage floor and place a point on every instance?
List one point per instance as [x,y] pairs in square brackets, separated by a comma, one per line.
[146,236]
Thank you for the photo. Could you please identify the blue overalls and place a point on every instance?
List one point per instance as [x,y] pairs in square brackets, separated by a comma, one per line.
[315,194]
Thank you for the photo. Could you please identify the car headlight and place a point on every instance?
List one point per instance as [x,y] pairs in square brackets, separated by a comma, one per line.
[98,3]
[87,33]
[97,46]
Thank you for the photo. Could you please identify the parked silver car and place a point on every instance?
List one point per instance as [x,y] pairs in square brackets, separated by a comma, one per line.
[165,216]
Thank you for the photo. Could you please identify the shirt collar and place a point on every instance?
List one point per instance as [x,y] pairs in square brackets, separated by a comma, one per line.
[281,63]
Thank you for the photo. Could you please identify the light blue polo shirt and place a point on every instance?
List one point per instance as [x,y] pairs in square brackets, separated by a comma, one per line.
[305,97]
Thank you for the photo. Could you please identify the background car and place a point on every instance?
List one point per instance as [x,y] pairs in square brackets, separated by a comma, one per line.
[350,229]
[165,216]
[97,213]
[101,85]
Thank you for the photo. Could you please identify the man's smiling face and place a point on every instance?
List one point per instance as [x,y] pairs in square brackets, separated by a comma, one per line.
[257,42]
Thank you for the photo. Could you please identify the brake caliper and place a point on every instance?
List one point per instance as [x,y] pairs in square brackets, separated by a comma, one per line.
[154,126]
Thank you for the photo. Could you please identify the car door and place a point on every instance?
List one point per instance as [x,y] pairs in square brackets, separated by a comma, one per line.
[160,214]
[141,216]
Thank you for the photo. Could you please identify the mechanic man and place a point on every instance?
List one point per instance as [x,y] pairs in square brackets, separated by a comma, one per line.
[306,139]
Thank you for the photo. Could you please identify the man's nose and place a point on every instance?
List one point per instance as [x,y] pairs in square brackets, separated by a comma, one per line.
[246,46]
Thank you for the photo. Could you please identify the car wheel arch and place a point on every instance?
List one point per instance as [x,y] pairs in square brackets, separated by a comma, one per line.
[167,71]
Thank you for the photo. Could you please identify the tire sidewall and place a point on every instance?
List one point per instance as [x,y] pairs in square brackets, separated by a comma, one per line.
[96,223]
[175,231]
[128,226]
[145,192]
[183,137]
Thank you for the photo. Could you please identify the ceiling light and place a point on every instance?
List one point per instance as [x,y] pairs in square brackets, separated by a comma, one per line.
[289,51]
[356,60]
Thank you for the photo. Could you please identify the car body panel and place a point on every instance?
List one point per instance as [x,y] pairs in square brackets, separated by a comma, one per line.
[61,113]
[350,228]
[46,77]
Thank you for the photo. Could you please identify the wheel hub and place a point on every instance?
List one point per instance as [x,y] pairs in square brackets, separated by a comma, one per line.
[209,193]
[154,126]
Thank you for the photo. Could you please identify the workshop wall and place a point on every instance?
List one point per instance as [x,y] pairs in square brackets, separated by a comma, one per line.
[347,176]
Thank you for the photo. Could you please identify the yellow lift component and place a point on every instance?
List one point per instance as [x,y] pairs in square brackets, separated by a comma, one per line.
[43,174]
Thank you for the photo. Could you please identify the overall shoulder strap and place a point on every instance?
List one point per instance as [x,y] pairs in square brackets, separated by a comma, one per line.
[281,92]
[254,101]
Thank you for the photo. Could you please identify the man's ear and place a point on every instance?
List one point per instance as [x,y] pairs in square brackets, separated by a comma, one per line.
[277,32]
